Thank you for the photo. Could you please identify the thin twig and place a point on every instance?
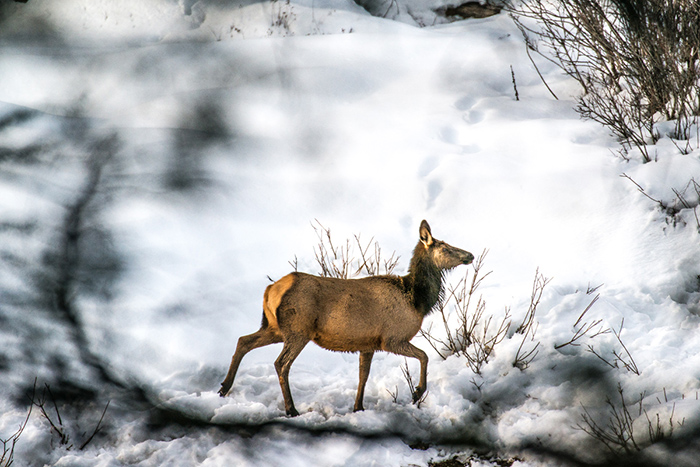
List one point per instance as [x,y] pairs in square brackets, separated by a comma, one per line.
[515,86]
[628,362]
[642,191]
[585,328]
[97,428]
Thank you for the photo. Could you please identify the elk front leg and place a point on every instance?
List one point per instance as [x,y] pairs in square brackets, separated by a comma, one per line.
[409,350]
[261,338]
[293,345]
[365,363]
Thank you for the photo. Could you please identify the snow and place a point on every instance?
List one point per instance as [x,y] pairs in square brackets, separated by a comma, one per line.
[368,125]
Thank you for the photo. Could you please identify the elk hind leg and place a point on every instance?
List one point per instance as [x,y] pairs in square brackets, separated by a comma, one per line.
[293,345]
[264,336]
[365,363]
[409,350]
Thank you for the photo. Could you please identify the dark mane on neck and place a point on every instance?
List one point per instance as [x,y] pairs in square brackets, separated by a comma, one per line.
[424,280]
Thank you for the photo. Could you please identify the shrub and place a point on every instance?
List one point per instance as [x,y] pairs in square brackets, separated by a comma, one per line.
[636,60]
[467,332]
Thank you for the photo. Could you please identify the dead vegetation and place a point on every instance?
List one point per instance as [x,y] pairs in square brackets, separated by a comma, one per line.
[616,428]
[467,331]
[353,258]
[636,61]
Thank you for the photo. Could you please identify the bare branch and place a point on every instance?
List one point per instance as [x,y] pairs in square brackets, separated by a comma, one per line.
[341,261]
[635,66]
[582,329]
[468,331]
[9,444]
[524,356]
[97,428]
[627,361]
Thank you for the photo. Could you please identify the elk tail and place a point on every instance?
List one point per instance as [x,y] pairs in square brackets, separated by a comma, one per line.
[272,299]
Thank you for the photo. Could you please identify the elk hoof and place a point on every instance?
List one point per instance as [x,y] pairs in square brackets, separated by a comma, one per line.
[224,390]
[292,412]
[418,394]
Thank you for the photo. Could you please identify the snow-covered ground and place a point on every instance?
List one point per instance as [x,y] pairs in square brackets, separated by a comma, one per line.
[223,132]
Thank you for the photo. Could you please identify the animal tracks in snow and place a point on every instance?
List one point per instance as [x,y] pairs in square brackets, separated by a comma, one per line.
[471,115]
[455,136]
[434,190]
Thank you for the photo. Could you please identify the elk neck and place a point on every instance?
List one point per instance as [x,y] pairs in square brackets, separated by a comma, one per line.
[424,281]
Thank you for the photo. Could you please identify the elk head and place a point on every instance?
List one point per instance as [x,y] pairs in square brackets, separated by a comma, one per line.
[443,255]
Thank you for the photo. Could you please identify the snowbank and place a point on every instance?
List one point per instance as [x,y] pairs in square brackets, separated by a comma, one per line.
[236,128]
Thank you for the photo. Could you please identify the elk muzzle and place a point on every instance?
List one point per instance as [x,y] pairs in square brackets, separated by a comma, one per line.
[468,257]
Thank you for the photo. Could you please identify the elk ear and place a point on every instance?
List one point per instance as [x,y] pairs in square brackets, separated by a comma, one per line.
[425,235]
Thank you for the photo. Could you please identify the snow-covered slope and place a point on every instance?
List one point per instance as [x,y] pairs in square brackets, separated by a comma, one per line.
[222,132]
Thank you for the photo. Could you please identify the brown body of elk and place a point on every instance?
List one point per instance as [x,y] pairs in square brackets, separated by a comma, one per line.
[352,315]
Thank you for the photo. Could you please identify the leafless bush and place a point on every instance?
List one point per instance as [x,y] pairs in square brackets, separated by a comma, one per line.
[472,337]
[8,444]
[49,409]
[617,433]
[585,328]
[282,17]
[682,200]
[470,334]
[622,358]
[52,415]
[527,351]
[657,431]
[636,60]
[344,261]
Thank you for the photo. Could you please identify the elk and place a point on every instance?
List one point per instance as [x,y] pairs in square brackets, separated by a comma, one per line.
[352,315]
